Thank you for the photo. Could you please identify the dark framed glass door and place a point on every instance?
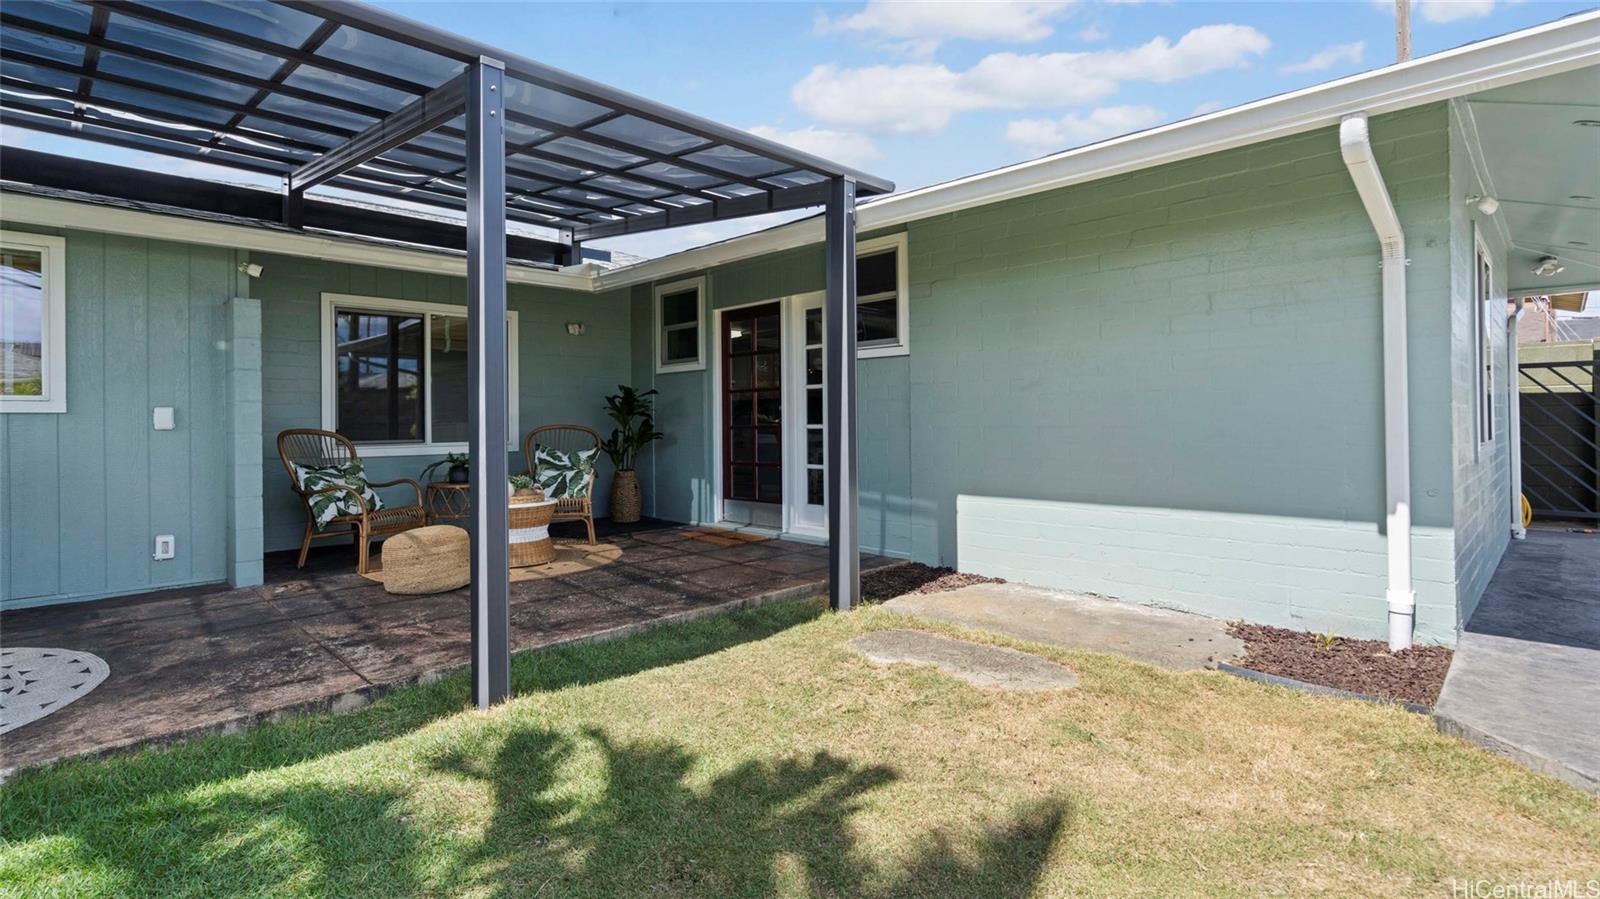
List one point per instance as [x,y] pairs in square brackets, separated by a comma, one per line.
[751,345]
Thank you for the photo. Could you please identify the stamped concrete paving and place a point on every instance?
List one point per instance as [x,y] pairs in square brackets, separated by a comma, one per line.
[1173,640]
[975,663]
[196,660]
[1525,681]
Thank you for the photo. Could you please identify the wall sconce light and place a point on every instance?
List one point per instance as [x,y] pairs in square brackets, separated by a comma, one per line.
[1486,205]
[575,329]
[252,269]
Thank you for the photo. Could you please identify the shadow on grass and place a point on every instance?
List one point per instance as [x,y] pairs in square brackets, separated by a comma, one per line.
[47,800]
[764,827]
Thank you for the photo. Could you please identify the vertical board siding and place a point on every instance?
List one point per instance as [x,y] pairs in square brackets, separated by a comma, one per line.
[87,490]
[563,378]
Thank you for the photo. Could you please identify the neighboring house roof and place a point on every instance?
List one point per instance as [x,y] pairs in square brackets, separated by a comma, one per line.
[1561,46]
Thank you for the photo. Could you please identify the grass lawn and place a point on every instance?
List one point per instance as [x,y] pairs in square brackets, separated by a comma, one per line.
[755,755]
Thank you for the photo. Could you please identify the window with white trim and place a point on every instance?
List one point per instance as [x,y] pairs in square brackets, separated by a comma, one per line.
[1483,322]
[33,323]
[882,318]
[680,314]
[395,375]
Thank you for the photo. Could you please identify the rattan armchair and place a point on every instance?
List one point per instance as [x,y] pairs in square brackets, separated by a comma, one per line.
[567,438]
[308,448]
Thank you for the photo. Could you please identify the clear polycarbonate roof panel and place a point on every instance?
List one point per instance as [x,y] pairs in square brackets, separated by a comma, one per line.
[268,87]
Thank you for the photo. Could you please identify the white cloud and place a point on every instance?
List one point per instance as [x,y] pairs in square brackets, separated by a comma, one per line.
[849,147]
[1071,130]
[921,97]
[1328,57]
[1453,10]
[920,27]
[1207,107]
[1093,33]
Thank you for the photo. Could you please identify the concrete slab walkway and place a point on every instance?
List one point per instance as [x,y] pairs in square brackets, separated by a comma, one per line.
[1177,641]
[1525,681]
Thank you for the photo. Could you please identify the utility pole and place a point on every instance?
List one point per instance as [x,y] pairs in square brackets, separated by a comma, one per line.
[1402,30]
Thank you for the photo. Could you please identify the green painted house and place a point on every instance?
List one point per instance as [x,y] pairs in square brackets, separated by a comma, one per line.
[1187,366]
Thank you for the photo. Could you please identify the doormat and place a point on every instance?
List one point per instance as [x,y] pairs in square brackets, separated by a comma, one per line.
[722,536]
[36,682]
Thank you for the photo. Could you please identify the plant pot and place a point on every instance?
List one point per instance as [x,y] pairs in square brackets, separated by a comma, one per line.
[457,474]
[625,497]
[530,493]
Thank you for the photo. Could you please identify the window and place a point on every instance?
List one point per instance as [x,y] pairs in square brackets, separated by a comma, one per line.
[395,376]
[882,326]
[33,323]
[1483,321]
[680,308]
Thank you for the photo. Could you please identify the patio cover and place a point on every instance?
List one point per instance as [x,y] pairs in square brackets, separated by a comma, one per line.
[272,87]
[330,94]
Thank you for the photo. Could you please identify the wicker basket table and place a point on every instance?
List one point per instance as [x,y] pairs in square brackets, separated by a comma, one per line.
[530,532]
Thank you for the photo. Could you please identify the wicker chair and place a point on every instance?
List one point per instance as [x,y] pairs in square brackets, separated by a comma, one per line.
[567,438]
[309,447]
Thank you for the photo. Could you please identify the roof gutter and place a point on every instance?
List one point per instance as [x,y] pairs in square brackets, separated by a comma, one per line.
[1356,147]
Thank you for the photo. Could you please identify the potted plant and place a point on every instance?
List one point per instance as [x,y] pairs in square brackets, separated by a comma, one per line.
[634,415]
[457,473]
[523,485]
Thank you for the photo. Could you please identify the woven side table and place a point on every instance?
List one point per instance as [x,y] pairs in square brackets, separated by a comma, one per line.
[530,532]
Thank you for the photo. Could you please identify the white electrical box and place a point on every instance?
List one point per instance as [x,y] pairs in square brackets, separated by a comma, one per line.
[163,418]
[166,547]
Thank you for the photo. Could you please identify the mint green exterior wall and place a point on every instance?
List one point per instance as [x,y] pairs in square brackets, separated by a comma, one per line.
[679,485]
[1481,471]
[85,492]
[1164,387]
[563,379]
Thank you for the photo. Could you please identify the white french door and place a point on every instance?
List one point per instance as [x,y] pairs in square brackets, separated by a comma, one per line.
[805,438]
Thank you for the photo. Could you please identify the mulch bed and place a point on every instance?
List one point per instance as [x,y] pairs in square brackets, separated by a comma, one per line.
[1360,666]
[915,577]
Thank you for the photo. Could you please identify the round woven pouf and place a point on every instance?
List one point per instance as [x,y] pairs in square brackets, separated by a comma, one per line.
[427,560]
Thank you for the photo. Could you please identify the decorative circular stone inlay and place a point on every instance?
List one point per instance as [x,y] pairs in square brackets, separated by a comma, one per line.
[35,682]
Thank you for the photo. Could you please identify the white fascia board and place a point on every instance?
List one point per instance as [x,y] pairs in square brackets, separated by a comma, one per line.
[59,213]
[1550,49]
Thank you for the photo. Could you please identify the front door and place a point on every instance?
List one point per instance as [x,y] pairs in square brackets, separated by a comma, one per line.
[751,348]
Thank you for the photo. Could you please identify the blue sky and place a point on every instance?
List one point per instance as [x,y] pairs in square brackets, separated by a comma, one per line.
[924,92]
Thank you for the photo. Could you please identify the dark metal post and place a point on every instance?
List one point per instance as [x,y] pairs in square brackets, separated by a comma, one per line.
[839,340]
[294,206]
[486,406]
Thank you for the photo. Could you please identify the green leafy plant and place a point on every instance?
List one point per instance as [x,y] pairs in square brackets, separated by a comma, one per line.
[634,414]
[451,461]
[522,482]
[1324,642]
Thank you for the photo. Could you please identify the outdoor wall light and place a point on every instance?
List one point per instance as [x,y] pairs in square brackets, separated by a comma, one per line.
[1486,205]
[1549,265]
[252,269]
[575,329]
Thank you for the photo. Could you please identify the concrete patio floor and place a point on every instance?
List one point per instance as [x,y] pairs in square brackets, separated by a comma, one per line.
[1525,681]
[193,661]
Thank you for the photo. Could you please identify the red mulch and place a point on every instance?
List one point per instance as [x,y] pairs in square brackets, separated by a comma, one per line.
[915,577]
[1360,666]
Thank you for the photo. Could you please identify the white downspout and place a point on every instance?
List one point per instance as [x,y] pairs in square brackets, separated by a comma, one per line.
[1514,421]
[1357,151]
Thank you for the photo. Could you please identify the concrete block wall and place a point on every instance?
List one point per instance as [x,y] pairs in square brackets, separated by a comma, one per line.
[1481,470]
[1166,387]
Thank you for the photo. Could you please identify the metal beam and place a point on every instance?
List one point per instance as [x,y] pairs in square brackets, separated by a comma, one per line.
[839,343]
[416,118]
[486,362]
